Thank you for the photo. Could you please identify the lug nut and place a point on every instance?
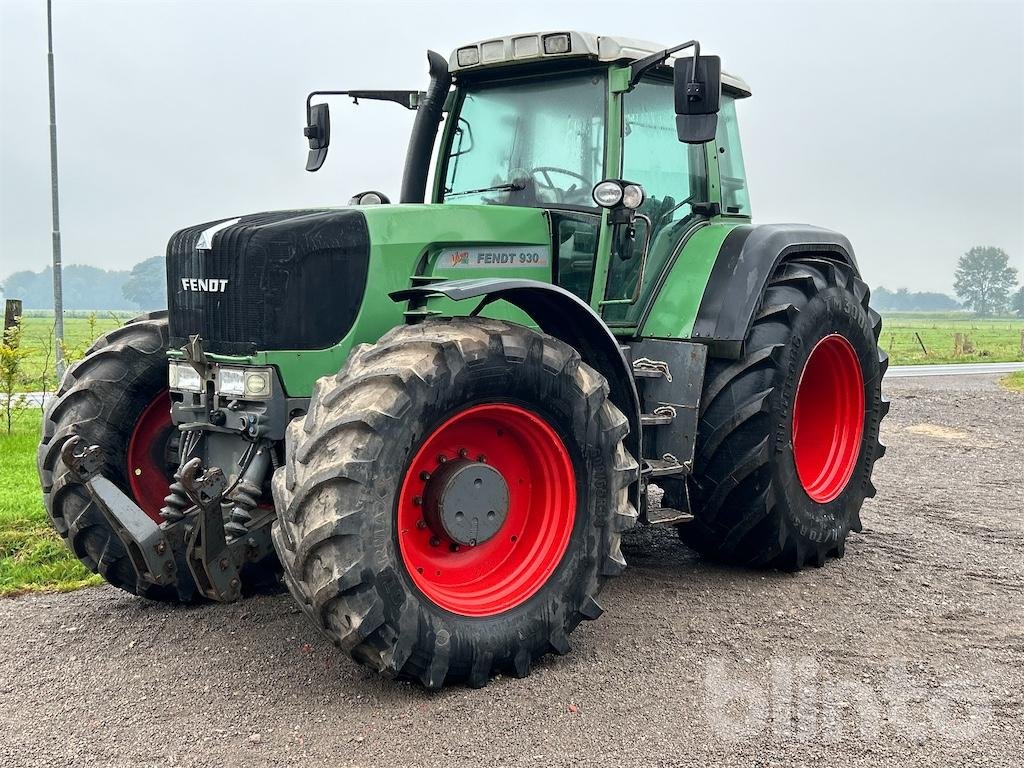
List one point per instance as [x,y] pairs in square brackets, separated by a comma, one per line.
[421,524]
[417,501]
[160,547]
[453,547]
[434,541]
[424,475]
[482,459]
[223,563]
[463,453]
[442,459]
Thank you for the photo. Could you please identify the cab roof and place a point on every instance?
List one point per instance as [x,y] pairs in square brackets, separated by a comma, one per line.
[532,47]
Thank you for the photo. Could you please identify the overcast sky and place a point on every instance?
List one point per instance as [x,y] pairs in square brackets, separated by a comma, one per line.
[898,124]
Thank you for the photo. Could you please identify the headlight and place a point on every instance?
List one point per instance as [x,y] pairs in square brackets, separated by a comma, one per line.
[183,377]
[632,196]
[246,383]
[607,194]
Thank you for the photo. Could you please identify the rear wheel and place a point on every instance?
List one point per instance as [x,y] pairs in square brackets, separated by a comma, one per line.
[788,434]
[453,501]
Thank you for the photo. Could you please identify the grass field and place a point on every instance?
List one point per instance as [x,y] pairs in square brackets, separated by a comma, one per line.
[32,557]
[994,340]
[79,333]
[1013,381]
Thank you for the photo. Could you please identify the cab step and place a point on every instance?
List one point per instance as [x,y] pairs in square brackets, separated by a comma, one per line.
[656,419]
[667,516]
[664,468]
[647,368]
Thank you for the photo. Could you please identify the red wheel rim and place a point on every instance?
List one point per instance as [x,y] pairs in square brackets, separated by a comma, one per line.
[828,418]
[147,458]
[508,568]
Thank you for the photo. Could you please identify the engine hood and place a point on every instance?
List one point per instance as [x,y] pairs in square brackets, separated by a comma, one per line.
[296,280]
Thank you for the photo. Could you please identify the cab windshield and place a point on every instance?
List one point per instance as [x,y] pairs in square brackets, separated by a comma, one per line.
[537,143]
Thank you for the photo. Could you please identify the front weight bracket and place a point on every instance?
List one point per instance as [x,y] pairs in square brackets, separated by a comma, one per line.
[142,538]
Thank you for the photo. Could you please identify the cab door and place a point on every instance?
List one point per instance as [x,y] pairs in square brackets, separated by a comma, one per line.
[674,177]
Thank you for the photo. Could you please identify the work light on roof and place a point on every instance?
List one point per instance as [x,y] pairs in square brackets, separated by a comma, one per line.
[467,57]
[557,43]
[525,47]
[492,51]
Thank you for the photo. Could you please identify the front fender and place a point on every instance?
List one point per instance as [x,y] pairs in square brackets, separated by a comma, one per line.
[557,313]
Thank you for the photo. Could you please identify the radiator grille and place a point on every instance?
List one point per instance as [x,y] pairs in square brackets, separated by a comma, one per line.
[295,280]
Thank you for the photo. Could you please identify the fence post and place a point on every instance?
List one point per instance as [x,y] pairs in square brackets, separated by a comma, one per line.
[12,311]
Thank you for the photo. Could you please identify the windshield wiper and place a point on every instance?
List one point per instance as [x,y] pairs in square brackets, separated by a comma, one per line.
[507,187]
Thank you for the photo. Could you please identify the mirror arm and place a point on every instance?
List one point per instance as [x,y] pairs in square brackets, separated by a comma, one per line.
[408,99]
[640,66]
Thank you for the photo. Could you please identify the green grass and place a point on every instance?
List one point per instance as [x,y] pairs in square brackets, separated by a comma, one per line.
[1013,381]
[994,340]
[37,337]
[32,556]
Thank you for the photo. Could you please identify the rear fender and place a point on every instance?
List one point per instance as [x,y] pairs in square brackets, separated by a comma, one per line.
[746,261]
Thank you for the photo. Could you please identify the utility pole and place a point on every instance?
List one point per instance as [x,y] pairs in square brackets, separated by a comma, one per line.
[58,290]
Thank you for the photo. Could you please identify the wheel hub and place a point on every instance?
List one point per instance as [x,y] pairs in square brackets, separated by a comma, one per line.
[466,501]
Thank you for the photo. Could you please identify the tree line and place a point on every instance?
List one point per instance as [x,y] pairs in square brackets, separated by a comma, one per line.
[142,288]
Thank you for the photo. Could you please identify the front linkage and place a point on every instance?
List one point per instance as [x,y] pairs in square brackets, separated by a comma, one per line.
[196,538]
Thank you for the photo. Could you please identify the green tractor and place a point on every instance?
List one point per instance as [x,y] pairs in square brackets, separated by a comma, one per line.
[438,417]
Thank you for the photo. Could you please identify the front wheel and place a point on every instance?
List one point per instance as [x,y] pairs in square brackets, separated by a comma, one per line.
[788,434]
[452,503]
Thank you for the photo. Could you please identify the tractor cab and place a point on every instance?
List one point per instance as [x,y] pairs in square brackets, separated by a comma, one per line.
[559,122]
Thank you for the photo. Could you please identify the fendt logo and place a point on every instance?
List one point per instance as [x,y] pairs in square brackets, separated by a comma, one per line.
[204,285]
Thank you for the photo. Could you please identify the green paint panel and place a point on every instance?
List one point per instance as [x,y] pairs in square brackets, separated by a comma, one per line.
[399,236]
[675,308]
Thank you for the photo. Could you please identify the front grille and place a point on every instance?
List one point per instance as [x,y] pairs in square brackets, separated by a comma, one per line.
[295,280]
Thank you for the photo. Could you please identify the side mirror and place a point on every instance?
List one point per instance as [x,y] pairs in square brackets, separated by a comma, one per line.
[698,90]
[318,131]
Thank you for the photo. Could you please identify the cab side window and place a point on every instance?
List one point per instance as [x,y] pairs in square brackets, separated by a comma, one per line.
[733,177]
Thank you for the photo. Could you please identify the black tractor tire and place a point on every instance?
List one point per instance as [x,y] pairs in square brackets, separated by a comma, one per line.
[101,399]
[338,497]
[750,506]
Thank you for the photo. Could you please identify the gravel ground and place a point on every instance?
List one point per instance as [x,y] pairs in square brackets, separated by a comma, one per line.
[907,652]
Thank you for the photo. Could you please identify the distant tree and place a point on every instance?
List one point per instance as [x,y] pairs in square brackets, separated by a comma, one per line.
[984,279]
[146,286]
[1017,302]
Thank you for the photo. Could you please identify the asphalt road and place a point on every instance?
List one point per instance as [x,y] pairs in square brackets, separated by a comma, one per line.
[953,369]
[909,651]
